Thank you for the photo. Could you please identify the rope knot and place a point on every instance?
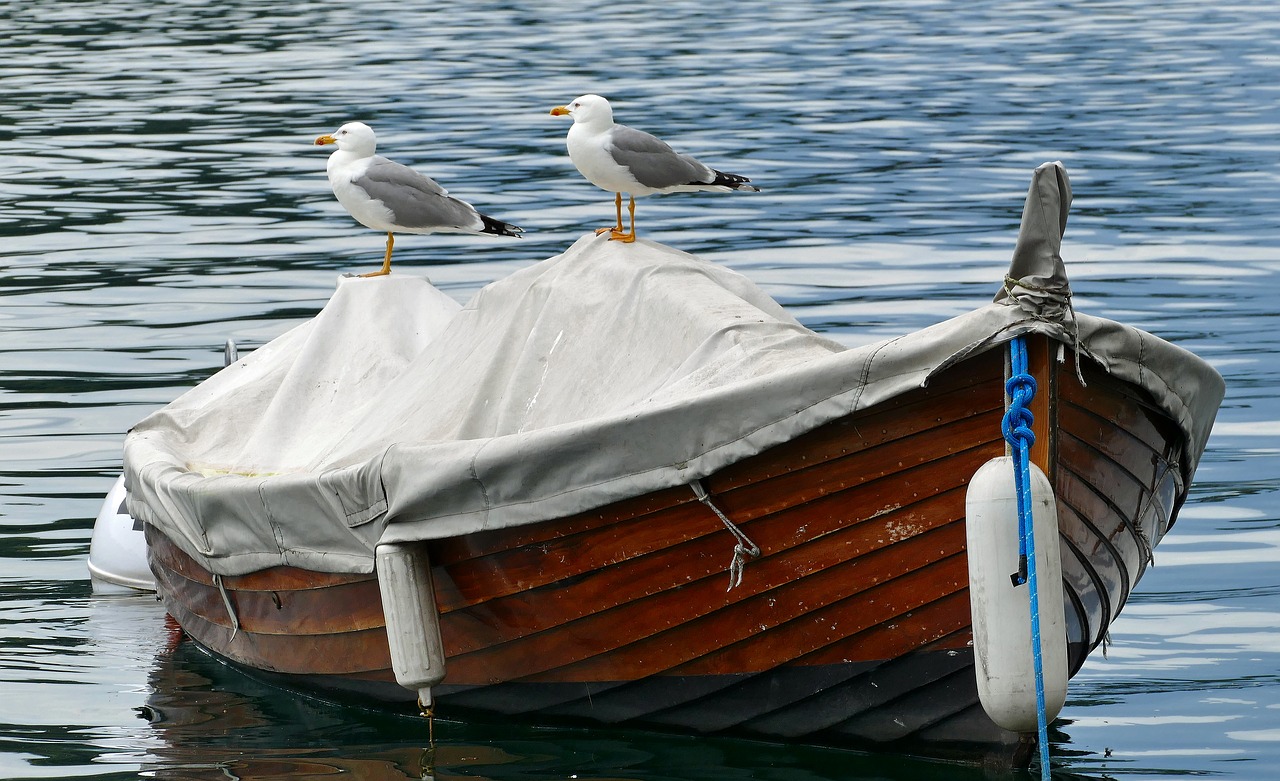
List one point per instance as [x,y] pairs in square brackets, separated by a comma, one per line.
[1016,425]
[744,547]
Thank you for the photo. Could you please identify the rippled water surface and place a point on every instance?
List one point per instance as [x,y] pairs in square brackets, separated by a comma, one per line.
[159,193]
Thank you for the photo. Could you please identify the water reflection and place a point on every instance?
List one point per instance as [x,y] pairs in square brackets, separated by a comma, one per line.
[211,721]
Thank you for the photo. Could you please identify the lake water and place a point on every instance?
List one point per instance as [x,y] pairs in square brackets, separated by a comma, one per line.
[160,193]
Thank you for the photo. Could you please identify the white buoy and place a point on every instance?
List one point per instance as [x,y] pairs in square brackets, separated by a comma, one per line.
[118,550]
[413,621]
[1002,636]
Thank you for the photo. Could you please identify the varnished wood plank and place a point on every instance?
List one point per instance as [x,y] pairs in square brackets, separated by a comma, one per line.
[1109,531]
[942,623]
[898,614]
[1042,366]
[342,608]
[881,463]
[508,572]
[619,644]
[1143,460]
[829,531]
[458,549]
[272,579]
[361,651]
[926,411]
[1128,407]
[1115,486]
[1092,569]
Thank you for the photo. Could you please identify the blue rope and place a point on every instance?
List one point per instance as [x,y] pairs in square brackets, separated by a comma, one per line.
[1016,428]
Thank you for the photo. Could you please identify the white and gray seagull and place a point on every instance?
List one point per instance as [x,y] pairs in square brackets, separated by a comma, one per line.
[621,159]
[387,196]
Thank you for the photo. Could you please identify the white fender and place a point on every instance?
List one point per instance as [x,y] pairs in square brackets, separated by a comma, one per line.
[118,551]
[413,621]
[1002,640]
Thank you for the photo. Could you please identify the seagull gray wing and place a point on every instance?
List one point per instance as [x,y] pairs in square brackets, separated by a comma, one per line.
[652,162]
[417,202]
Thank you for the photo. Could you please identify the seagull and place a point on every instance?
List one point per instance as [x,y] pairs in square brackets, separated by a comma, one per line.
[387,196]
[621,159]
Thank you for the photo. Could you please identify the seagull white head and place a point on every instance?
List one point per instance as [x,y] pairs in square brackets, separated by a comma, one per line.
[586,110]
[355,137]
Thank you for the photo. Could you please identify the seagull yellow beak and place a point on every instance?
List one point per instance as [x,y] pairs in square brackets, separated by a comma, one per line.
[322,140]
[558,111]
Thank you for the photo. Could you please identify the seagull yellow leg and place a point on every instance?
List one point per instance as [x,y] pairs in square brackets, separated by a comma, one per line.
[616,230]
[618,235]
[386,260]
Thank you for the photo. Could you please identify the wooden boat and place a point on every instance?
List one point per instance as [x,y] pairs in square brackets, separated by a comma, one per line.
[852,627]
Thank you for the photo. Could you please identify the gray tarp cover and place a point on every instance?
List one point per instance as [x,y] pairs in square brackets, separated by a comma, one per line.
[603,373]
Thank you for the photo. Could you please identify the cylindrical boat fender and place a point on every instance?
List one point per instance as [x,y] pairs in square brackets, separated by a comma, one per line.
[118,548]
[413,621]
[1002,631]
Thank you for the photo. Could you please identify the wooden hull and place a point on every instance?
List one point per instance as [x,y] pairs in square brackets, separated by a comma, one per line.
[852,628]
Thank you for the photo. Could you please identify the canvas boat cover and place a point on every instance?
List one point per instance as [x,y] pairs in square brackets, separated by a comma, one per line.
[603,373]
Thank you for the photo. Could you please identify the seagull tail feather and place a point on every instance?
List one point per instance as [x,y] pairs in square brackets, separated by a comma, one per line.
[733,182]
[499,228]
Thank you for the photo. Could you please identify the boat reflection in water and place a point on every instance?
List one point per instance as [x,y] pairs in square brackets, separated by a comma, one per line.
[214,721]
